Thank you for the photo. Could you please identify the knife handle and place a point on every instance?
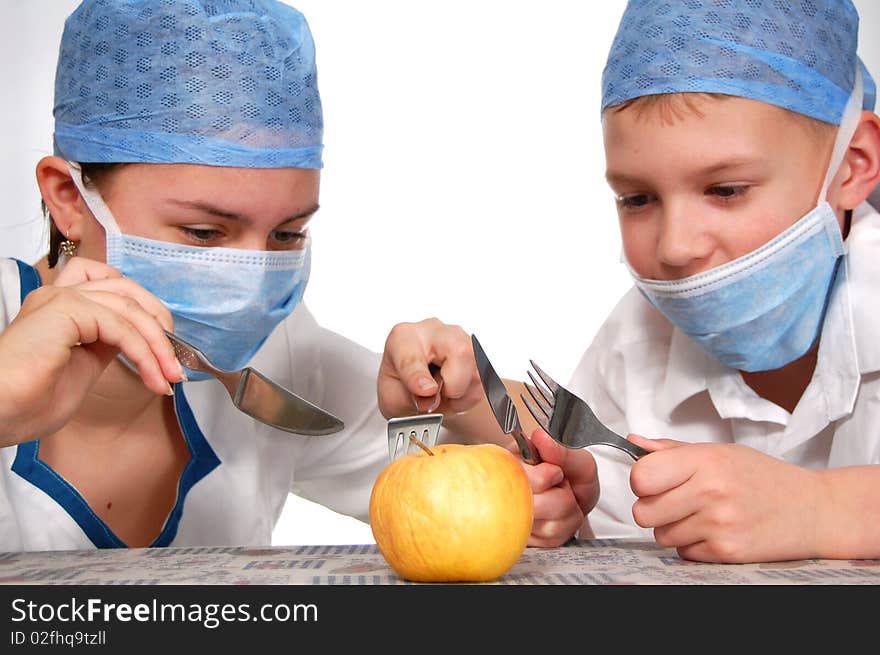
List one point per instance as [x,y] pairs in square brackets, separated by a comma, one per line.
[527,449]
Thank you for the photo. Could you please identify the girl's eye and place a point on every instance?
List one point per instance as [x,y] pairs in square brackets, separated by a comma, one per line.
[290,239]
[201,235]
[726,192]
[634,201]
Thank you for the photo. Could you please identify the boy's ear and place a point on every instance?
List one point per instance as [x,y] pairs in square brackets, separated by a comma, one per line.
[62,198]
[862,160]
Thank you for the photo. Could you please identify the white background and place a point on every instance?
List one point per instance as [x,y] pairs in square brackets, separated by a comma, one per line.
[463,174]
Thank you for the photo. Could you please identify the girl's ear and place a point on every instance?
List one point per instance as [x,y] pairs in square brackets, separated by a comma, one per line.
[62,198]
[862,160]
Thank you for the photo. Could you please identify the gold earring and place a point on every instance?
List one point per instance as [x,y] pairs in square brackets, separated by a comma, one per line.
[66,250]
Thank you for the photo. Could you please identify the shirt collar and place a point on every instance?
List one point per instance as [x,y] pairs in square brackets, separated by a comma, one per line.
[691,371]
[686,373]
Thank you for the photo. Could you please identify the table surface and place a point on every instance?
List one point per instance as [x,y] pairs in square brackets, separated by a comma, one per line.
[594,562]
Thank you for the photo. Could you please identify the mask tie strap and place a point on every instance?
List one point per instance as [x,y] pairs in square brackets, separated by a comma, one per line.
[848,124]
[849,121]
[102,214]
[94,201]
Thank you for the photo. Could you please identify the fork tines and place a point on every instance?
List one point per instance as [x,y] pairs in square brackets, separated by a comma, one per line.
[544,397]
[550,382]
[425,427]
[538,414]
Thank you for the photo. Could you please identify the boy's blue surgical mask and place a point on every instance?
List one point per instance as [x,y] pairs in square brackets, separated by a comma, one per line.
[225,301]
[765,309]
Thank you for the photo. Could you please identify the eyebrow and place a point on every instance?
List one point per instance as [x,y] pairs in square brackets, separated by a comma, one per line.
[222,213]
[615,177]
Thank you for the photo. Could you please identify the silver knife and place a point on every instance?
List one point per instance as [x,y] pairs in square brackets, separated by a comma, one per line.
[501,404]
[270,403]
[258,396]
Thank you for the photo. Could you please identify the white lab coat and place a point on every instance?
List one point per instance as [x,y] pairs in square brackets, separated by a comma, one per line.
[241,471]
[642,375]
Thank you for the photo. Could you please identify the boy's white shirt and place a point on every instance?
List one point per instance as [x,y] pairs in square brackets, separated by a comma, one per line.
[642,375]
[239,502]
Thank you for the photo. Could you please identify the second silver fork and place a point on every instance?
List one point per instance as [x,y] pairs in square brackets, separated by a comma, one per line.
[569,419]
[423,426]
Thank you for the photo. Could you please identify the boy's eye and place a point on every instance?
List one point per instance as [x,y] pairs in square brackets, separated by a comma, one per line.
[634,201]
[727,191]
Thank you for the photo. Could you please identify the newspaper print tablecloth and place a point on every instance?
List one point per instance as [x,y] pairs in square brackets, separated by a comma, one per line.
[597,562]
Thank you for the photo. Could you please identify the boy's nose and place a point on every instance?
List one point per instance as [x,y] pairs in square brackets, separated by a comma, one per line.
[684,244]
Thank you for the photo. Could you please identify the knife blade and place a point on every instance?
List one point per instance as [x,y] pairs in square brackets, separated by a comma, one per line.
[270,403]
[256,395]
[501,404]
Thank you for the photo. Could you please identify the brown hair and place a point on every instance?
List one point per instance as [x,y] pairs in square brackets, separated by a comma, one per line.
[671,107]
[92,173]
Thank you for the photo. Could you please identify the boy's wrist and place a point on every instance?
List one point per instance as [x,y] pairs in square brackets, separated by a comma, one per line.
[846,517]
[824,517]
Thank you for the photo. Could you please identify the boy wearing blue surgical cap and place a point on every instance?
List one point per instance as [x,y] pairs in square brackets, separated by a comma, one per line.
[741,145]
[188,141]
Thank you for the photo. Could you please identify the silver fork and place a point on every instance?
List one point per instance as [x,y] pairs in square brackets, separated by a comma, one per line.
[425,427]
[568,419]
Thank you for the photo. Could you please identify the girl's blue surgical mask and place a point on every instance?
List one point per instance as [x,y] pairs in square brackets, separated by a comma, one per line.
[765,309]
[225,301]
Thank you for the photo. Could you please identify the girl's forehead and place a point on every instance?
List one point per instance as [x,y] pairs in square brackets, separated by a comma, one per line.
[187,174]
[271,190]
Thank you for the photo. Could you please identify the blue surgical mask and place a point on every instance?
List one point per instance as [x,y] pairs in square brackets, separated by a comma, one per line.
[765,309]
[224,301]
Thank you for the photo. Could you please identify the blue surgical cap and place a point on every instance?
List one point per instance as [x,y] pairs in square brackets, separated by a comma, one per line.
[216,82]
[796,54]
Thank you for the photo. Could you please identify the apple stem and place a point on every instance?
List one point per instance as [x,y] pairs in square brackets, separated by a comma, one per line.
[414,439]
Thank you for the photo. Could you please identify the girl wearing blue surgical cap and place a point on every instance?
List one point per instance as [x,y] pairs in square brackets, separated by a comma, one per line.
[741,145]
[188,138]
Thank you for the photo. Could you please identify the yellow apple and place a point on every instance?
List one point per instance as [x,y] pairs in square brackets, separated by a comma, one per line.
[455,513]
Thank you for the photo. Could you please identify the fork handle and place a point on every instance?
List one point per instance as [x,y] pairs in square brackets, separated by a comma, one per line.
[629,448]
